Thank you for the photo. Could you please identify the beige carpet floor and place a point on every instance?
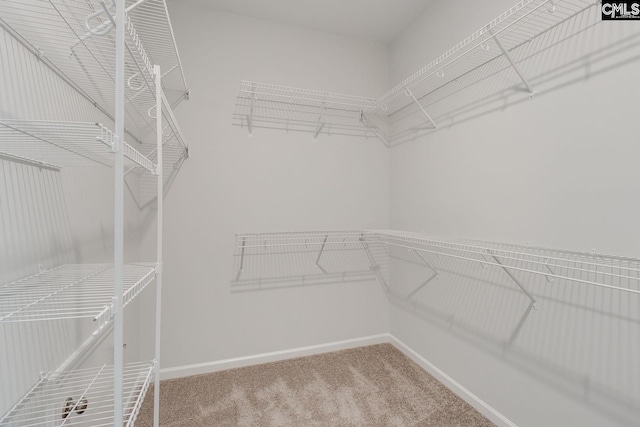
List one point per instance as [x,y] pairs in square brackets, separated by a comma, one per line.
[367,386]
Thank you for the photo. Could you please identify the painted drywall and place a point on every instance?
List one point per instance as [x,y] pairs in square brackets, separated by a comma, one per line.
[273,181]
[557,171]
[49,218]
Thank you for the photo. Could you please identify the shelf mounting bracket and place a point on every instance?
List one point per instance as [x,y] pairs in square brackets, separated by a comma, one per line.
[517,282]
[324,242]
[250,115]
[512,62]
[426,282]
[374,129]
[410,94]
[319,124]
[373,264]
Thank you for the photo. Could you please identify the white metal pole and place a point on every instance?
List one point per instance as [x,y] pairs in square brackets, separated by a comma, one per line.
[156,388]
[118,259]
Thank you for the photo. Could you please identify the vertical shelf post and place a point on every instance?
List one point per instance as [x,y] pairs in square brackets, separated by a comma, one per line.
[159,267]
[118,227]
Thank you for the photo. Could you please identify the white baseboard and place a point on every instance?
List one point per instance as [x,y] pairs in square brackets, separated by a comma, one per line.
[238,362]
[480,405]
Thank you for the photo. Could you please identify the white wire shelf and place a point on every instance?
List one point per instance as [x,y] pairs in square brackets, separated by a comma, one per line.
[81,398]
[75,38]
[620,274]
[268,106]
[605,271]
[509,55]
[72,291]
[522,47]
[61,144]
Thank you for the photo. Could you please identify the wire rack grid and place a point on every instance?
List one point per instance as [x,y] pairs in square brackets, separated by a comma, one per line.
[605,271]
[261,105]
[72,291]
[81,398]
[65,144]
[74,36]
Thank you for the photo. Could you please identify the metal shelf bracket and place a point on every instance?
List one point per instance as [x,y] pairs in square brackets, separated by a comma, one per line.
[410,94]
[517,282]
[512,62]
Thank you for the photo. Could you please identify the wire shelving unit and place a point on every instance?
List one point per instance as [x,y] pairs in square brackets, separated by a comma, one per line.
[505,55]
[96,46]
[83,397]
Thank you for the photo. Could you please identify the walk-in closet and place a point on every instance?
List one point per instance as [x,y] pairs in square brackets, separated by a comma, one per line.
[319,213]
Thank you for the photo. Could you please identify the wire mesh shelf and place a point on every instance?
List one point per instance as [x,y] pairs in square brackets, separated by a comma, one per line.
[261,105]
[605,271]
[72,291]
[81,398]
[74,37]
[619,274]
[60,144]
[509,56]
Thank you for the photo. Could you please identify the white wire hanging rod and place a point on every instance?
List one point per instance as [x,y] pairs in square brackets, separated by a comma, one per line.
[329,102]
[547,274]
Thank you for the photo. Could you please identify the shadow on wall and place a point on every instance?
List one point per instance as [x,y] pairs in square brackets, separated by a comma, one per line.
[280,260]
[573,51]
[582,340]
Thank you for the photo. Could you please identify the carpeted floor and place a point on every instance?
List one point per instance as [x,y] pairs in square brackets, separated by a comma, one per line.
[367,386]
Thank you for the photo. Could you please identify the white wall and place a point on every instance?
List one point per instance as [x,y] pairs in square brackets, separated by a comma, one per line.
[272,182]
[557,171]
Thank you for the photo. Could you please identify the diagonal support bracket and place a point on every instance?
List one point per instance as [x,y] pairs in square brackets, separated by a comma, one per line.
[250,115]
[374,129]
[410,94]
[373,265]
[319,124]
[324,242]
[517,282]
[426,282]
[513,64]
[244,239]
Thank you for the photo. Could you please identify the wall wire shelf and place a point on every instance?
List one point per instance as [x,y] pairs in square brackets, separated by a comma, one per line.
[503,56]
[615,273]
[81,397]
[71,291]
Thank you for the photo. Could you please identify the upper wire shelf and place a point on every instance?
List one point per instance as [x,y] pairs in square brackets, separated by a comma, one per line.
[510,54]
[61,144]
[261,105]
[75,38]
[72,291]
[82,397]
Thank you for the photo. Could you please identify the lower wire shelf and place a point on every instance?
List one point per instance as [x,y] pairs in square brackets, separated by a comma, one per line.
[82,397]
[71,291]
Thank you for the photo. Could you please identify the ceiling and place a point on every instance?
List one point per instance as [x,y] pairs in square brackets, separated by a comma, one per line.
[374,20]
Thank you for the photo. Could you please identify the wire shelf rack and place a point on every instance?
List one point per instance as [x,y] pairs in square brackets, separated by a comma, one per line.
[509,56]
[605,271]
[81,398]
[268,106]
[615,273]
[71,291]
[62,144]
[74,38]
